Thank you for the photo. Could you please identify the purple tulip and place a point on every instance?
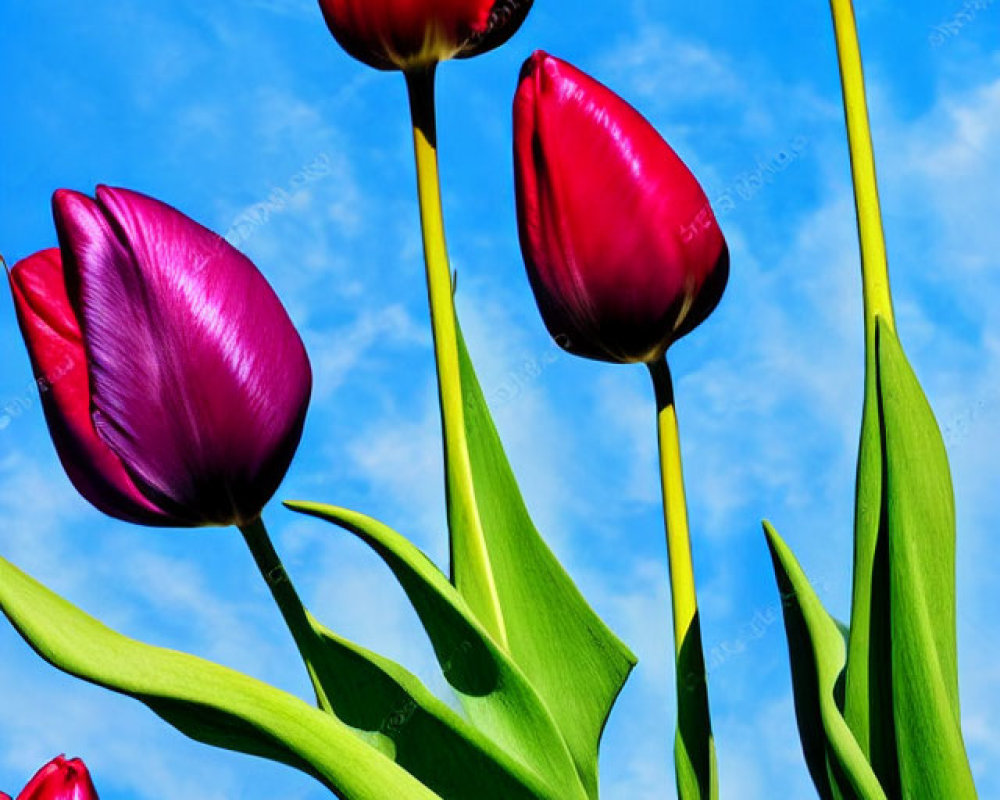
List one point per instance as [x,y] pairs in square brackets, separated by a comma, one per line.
[174,384]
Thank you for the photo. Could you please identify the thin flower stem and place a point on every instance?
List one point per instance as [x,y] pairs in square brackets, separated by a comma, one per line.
[694,746]
[472,575]
[874,264]
[294,613]
[867,690]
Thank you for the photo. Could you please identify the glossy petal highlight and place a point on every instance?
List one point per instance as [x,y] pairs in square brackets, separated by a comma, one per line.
[199,381]
[60,779]
[620,243]
[174,384]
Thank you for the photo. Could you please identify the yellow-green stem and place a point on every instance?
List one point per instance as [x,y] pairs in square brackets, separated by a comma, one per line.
[694,748]
[868,690]
[874,264]
[288,602]
[472,575]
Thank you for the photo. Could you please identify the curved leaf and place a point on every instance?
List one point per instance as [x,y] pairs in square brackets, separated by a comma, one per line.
[496,695]
[208,702]
[575,662]
[920,532]
[430,740]
[817,652]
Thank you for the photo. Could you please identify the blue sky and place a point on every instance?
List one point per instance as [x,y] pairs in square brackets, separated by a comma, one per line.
[219,112]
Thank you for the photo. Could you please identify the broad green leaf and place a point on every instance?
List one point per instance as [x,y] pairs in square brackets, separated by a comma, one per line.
[494,692]
[575,662]
[430,740]
[920,530]
[206,701]
[817,652]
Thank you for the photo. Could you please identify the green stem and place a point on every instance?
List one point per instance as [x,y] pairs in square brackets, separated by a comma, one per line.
[294,613]
[874,264]
[694,747]
[868,689]
[472,573]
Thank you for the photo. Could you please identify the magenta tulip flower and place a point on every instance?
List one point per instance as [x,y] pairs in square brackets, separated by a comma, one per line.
[403,34]
[60,779]
[621,246]
[173,382]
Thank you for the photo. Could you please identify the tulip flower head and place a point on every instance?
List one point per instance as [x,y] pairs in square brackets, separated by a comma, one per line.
[620,243]
[173,382]
[407,34]
[60,779]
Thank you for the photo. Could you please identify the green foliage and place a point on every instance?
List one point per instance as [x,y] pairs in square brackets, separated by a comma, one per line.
[919,525]
[901,678]
[206,701]
[837,764]
[536,694]
[577,665]
[429,739]
[694,744]
[493,691]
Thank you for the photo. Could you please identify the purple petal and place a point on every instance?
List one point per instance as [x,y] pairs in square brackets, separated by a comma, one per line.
[200,382]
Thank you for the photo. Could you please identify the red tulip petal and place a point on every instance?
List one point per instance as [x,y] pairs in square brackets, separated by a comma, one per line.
[506,18]
[52,333]
[60,780]
[618,237]
[200,381]
[396,34]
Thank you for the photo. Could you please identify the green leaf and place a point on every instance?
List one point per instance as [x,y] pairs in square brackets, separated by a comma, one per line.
[694,744]
[575,662]
[920,531]
[817,652]
[868,682]
[206,701]
[494,692]
[430,740]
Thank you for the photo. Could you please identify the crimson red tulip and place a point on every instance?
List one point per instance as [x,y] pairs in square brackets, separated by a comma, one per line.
[60,779]
[621,246]
[173,382]
[403,34]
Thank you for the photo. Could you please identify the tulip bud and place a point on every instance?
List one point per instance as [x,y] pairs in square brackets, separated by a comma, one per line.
[60,780]
[173,382]
[620,243]
[405,34]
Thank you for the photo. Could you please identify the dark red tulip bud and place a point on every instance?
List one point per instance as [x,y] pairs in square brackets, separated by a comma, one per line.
[621,246]
[406,34]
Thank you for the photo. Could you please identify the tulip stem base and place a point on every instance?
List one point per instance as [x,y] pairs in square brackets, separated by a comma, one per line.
[287,599]
[694,747]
